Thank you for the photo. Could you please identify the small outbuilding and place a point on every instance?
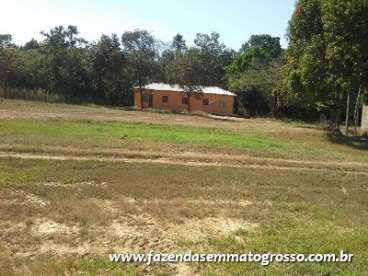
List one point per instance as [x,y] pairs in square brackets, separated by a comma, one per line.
[172,97]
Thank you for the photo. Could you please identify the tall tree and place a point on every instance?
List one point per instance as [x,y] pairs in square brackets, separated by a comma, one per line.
[327,53]
[65,61]
[6,41]
[271,45]
[213,57]
[112,77]
[9,69]
[178,44]
[256,73]
[345,36]
[139,47]
[32,44]
[188,75]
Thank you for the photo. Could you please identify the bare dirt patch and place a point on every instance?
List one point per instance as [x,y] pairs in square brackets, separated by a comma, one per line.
[10,227]
[173,155]
[75,184]
[184,270]
[44,227]
[197,202]
[139,233]
[199,230]
[23,198]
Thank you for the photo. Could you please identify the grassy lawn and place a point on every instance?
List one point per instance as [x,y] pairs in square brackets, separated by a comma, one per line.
[54,131]
[278,186]
[172,138]
[290,211]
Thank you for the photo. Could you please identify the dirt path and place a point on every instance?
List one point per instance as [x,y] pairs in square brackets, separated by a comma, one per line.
[208,157]
[181,162]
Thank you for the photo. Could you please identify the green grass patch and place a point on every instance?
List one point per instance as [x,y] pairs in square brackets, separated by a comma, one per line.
[102,132]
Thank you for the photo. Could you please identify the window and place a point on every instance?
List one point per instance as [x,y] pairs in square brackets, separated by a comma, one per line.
[184,100]
[165,99]
[205,102]
[146,98]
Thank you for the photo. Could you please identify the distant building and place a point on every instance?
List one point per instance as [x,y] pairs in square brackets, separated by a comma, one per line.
[172,97]
[364,127]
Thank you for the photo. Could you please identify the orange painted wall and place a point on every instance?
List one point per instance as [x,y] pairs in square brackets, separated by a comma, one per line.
[137,99]
[196,103]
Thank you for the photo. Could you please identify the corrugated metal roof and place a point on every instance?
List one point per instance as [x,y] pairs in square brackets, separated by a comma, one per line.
[176,87]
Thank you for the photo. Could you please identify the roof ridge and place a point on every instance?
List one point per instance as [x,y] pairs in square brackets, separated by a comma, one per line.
[178,88]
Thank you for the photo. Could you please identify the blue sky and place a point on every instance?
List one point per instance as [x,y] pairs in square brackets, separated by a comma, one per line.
[235,20]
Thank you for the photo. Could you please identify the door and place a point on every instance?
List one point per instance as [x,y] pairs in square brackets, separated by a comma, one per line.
[222,105]
[150,101]
[147,101]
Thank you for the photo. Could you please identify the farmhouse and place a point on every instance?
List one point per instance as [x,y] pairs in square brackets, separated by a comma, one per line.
[172,97]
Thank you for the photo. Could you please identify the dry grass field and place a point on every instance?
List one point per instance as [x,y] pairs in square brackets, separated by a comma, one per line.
[80,182]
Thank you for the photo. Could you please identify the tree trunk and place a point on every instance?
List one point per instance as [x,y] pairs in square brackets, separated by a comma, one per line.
[336,114]
[188,103]
[356,112]
[141,93]
[347,115]
[5,90]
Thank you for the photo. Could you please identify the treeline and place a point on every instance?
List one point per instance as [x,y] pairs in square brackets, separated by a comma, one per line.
[66,67]
[324,69]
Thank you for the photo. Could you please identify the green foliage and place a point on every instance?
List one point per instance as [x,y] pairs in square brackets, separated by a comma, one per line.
[64,58]
[202,64]
[255,74]
[32,44]
[193,67]
[179,44]
[139,46]
[112,78]
[305,21]
[68,67]
[271,45]
[5,41]
[327,55]
[212,56]
[71,69]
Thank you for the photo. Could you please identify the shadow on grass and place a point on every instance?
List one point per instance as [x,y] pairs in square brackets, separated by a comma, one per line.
[357,142]
[306,124]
